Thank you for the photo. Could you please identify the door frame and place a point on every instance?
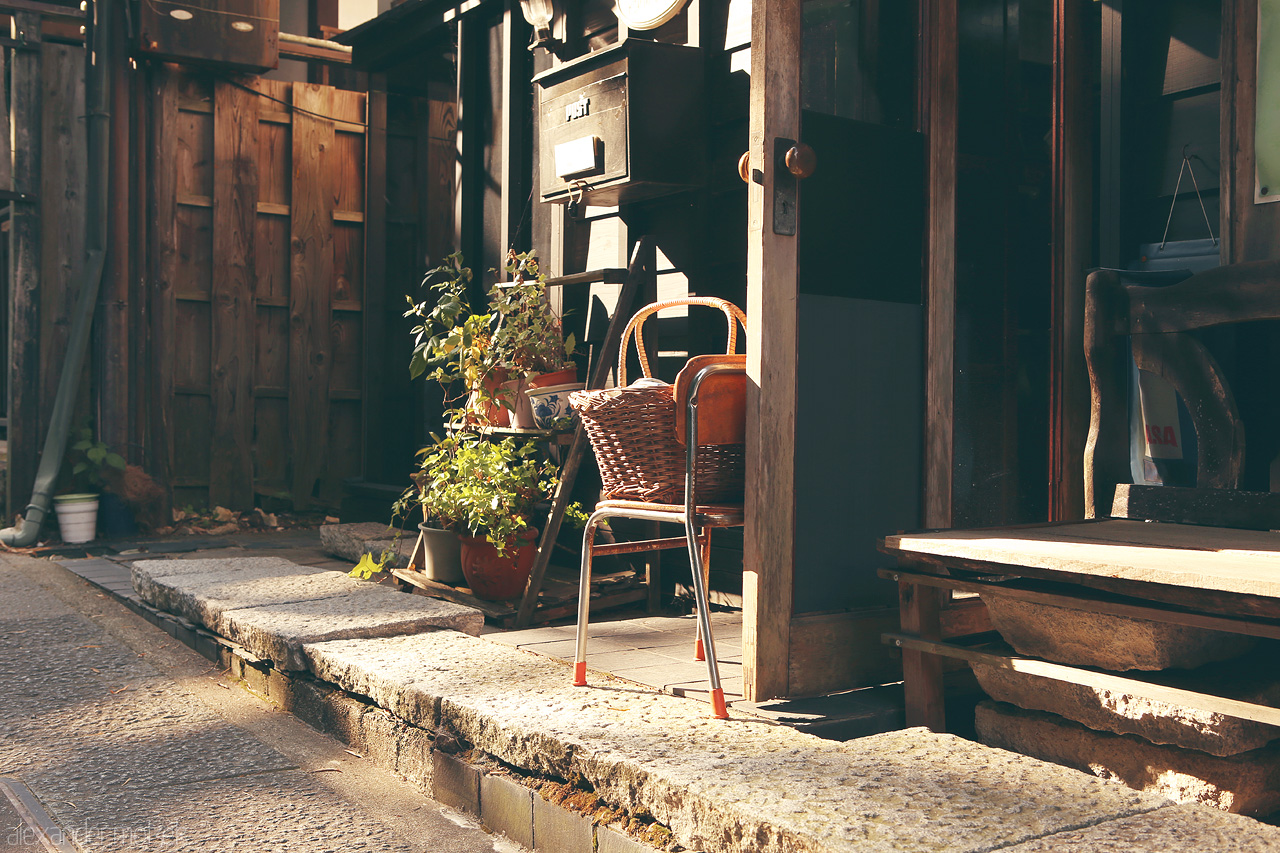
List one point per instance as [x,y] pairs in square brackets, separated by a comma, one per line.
[772,329]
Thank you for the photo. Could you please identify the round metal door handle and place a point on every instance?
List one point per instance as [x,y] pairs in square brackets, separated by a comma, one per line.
[744,167]
[800,160]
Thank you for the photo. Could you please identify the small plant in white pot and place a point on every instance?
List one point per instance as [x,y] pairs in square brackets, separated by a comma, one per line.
[76,504]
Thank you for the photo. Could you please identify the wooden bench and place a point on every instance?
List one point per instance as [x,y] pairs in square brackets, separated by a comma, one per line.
[1210,561]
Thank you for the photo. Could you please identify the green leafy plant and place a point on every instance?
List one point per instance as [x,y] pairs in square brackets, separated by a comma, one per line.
[484,488]
[453,344]
[89,458]
[529,338]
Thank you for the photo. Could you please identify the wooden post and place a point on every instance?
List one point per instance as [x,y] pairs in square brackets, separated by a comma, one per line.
[23,410]
[374,464]
[1072,222]
[235,210]
[772,346]
[164,265]
[939,122]
[923,693]
[112,365]
[515,96]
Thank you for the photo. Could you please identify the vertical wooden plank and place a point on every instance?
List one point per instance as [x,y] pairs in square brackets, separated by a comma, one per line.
[235,205]
[1229,118]
[923,695]
[163,263]
[939,121]
[114,378]
[374,465]
[63,173]
[310,283]
[516,97]
[23,410]
[139,231]
[1072,223]
[772,329]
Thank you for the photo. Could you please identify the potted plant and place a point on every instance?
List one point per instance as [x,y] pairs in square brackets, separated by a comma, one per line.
[431,492]
[76,504]
[488,490]
[453,344]
[529,336]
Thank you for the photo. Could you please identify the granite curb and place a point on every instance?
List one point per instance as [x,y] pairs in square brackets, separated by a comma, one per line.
[738,785]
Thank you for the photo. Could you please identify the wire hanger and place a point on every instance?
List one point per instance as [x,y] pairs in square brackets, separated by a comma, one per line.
[1186,167]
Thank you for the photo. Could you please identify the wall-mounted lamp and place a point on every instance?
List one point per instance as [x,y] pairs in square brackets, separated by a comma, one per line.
[540,14]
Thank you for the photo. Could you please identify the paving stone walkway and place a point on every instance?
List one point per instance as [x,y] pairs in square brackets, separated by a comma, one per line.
[118,738]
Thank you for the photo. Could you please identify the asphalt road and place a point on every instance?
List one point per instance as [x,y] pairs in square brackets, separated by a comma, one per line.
[116,737]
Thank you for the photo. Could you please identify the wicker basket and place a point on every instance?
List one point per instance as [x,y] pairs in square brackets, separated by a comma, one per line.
[633,430]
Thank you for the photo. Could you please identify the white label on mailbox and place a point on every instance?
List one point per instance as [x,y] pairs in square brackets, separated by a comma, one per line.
[577,156]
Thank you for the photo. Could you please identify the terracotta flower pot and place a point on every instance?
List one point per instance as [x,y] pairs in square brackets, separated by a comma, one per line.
[566,376]
[494,577]
[493,412]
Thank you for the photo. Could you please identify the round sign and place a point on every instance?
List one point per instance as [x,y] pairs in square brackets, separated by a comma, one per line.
[647,14]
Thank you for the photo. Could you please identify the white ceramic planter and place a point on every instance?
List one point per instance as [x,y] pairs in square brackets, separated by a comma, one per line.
[443,555]
[77,517]
[551,408]
[520,415]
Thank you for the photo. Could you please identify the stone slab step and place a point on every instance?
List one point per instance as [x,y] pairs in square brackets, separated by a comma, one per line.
[273,607]
[1250,679]
[1241,784]
[742,784]
[352,541]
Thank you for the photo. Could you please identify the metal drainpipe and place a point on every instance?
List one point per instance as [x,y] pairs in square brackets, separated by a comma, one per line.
[26,534]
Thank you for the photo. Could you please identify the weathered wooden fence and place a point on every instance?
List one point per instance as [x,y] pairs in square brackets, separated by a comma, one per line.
[45,198]
[257,257]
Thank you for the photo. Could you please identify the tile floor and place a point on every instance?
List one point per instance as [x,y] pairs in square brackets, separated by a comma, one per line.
[656,651]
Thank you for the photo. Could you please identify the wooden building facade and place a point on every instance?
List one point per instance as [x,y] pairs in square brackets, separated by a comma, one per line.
[915,303]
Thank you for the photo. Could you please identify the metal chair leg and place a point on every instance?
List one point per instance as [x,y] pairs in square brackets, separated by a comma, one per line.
[584,600]
[704,542]
[719,710]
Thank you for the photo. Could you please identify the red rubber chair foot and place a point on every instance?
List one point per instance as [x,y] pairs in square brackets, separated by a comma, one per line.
[699,654]
[580,673]
[718,709]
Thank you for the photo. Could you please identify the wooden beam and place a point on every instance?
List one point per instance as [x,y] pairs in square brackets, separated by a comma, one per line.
[1081,599]
[374,465]
[1100,681]
[1072,226]
[235,208]
[37,10]
[1112,178]
[23,411]
[310,291]
[312,52]
[923,691]
[939,120]
[516,106]
[114,378]
[772,352]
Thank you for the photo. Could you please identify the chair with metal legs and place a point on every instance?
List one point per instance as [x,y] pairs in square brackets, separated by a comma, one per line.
[718,384]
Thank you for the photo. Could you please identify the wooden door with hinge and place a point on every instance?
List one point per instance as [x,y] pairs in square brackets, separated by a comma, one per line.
[849,320]
[257,265]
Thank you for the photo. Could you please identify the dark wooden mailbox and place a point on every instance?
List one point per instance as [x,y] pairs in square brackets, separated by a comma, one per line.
[622,124]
